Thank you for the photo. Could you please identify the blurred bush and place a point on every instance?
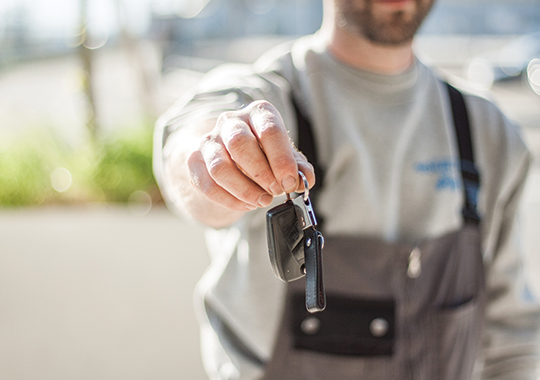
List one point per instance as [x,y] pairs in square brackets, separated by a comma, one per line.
[124,165]
[38,168]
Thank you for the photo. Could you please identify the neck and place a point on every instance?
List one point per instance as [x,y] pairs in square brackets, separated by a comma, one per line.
[358,52]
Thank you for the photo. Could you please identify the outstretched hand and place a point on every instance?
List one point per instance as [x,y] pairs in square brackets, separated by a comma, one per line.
[247,159]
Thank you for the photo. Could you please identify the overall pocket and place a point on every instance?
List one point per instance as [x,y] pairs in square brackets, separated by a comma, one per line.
[454,339]
[348,326]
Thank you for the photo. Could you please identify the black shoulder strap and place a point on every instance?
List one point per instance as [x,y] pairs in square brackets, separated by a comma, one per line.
[306,143]
[469,174]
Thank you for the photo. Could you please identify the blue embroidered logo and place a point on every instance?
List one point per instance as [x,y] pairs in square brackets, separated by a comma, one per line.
[443,168]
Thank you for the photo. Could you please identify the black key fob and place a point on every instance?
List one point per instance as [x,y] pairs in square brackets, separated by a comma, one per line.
[295,246]
[285,235]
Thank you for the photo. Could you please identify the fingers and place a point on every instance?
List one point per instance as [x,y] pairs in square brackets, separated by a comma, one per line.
[203,182]
[247,159]
[267,125]
[305,167]
[213,173]
[245,151]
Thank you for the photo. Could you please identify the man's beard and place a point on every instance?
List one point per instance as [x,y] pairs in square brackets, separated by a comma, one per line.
[396,29]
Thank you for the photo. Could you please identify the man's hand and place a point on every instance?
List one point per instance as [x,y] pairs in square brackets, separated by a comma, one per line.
[247,159]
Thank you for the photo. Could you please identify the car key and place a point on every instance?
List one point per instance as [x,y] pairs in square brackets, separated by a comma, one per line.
[285,234]
[295,246]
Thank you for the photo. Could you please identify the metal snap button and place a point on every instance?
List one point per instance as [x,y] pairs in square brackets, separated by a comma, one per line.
[310,325]
[378,327]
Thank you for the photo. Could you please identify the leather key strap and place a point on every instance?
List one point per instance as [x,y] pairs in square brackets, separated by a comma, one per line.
[315,294]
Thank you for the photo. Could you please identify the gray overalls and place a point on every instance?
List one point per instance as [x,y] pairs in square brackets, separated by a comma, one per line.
[394,311]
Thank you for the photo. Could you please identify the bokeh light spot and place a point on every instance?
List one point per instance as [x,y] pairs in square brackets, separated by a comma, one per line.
[140,203]
[533,75]
[480,73]
[61,179]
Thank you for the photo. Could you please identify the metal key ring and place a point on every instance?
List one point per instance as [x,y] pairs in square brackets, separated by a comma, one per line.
[306,185]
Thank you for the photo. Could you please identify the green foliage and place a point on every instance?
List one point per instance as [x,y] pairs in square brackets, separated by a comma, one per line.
[25,165]
[124,165]
[108,171]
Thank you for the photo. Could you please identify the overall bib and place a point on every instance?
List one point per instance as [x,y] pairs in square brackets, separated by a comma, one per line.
[394,311]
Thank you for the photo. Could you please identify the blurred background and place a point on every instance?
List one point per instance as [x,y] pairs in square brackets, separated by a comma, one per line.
[96,275]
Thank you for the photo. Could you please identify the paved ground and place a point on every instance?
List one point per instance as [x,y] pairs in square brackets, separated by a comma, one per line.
[98,293]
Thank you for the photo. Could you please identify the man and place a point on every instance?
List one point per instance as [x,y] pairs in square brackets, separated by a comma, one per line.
[421,259]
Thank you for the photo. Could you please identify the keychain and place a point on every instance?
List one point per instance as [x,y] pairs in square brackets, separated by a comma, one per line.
[295,245]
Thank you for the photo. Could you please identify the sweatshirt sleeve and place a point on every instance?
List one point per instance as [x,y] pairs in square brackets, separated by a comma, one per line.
[510,345]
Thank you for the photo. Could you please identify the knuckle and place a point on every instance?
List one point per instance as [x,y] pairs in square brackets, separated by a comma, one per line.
[209,137]
[210,191]
[300,156]
[262,175]
[207,141]
[193,159]
[218,168]
[264,111]
[250,194]
[239,139]
[284,163]
[263,105]
[271,131]
[226,115]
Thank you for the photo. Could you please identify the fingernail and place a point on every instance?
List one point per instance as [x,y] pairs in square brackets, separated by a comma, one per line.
[265,200]
[289,184]
[250,207]
[275,188]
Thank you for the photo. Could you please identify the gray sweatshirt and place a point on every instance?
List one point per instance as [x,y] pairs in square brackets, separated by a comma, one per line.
[388,148]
